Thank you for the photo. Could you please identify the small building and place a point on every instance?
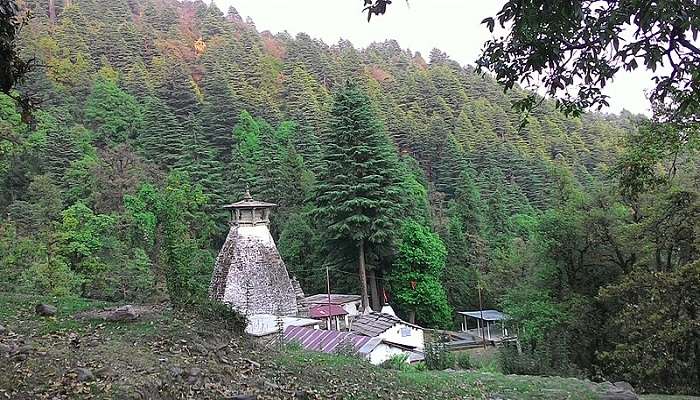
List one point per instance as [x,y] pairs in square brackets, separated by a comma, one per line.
[485,324]
[389,328]
[333,314]
[267,324]
[351,303]
[373,349]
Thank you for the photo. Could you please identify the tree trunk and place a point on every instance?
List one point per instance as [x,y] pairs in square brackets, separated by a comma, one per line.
[374,290]
[363,277]
[52,10]
[412,316]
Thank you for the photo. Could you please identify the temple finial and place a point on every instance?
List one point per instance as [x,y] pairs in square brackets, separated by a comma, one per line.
[247,196]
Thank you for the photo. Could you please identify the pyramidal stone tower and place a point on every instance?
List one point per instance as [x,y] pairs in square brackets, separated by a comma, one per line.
[249,273]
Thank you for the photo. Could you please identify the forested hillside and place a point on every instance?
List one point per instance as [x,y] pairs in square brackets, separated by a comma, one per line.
[151,114]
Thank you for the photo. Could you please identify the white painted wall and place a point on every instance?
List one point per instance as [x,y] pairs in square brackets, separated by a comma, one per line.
[352,308]
[406,335]
[382,353]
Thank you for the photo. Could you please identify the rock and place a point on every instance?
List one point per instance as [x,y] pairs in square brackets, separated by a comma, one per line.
[5,349]
[176,372]
[624,385]
[301,395]
[244,397]
[3,330]
[194,375]
[104,372]
[617,393]
[122,314]
[199,348]
[84,374]
[45,310]
[26,349]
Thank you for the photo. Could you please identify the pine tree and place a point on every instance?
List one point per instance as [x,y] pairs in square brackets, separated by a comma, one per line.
[357,196]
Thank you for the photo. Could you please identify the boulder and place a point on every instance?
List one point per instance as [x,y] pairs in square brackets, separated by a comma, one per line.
[624,385]
[45,310]
[104,372]
[5,349]
[616,393]
[176,372]
[84,374]
[245,397]
[122,314]
[3,330]
[194,375]
[301,395]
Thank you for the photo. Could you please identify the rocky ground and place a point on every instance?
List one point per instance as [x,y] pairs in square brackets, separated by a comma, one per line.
[78,349]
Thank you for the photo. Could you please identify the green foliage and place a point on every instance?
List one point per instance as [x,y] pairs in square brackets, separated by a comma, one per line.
[464,361]
[416,273]
[357,196]
[219,313]
[83,234]
[113,188]
[112,113]
[397,362]
[437,356]
[588,55]
[656,318]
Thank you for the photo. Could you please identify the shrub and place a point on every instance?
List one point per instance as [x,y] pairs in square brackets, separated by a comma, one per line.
[437,357]
[220,313]
[464,361]
[551,359]
[397,362]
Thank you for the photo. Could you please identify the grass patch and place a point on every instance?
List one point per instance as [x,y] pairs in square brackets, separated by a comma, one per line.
[366,381]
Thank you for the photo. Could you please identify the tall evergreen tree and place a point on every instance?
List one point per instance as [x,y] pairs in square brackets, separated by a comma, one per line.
[357,196]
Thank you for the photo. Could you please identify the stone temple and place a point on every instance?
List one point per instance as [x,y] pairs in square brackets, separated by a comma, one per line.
[249,274]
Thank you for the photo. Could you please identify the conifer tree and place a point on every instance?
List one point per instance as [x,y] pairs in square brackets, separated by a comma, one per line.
[357,196]
[161,139]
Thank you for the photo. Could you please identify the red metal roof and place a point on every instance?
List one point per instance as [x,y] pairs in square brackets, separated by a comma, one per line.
[328,341]
[322,311]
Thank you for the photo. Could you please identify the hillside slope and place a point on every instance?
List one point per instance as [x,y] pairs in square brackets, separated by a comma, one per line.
[169,355]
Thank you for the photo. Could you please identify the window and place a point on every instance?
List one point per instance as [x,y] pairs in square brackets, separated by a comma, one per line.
[405,331]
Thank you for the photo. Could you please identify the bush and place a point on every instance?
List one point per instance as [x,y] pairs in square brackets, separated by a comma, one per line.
[464,361]
[397,362]
[213,311]
[550,359]
[437,357]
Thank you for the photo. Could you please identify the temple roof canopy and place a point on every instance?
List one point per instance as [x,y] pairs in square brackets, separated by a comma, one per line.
[248,202]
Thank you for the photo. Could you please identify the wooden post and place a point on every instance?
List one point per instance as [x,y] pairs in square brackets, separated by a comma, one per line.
[328,287]
[481,313]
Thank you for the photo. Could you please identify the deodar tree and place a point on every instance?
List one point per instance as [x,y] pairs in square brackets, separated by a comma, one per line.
[357,196]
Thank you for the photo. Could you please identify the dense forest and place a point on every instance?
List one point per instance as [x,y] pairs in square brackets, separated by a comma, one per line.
[149,115]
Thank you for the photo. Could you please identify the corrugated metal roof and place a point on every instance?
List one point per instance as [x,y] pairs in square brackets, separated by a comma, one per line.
[322,311]
[329,341]
[374,324]
[488,315]
[338,299]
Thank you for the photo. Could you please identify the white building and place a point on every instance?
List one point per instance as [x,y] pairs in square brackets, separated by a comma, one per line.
[390,329]
[373,349]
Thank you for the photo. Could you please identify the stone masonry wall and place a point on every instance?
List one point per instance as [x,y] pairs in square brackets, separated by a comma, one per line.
[250,274]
